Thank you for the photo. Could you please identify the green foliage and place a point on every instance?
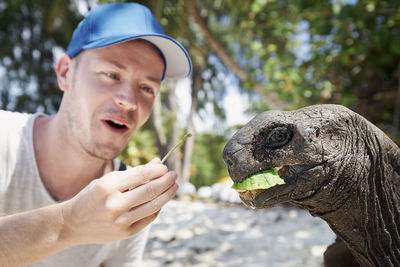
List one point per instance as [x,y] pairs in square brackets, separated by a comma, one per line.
[357,56]
[309,52]
[141,148]
[30,30]
[208,166]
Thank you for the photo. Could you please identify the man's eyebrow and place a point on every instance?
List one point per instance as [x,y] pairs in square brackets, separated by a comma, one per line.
[154,79]
[116,63]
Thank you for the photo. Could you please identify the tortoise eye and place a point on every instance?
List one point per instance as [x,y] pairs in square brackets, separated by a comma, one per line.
[278,137]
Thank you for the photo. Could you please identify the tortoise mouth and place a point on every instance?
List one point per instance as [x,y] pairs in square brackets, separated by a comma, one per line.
[265,198]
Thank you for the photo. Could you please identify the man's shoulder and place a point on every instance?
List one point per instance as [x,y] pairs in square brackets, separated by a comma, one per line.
[16,126]
[13,117]
[8,113]
[13,136]
[16,120]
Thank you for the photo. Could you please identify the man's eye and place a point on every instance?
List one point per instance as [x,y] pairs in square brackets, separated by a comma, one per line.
[147,89]
[112,76]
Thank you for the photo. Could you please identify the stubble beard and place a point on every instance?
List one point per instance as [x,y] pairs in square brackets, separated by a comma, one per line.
[87,145]
[83,135]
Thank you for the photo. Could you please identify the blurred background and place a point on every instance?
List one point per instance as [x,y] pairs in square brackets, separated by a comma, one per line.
[248,56]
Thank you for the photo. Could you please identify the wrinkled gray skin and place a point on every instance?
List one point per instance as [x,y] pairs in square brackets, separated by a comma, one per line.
[337,165]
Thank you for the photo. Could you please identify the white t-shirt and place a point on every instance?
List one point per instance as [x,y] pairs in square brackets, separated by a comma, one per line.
[22,189]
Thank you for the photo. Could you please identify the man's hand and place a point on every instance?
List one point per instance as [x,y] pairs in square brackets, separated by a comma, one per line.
[113,207]
[119,204]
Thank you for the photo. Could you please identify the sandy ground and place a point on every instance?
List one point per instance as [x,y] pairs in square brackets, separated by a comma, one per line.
[200,233]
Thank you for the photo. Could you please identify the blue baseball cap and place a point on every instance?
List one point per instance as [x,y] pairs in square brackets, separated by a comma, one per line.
[114,23]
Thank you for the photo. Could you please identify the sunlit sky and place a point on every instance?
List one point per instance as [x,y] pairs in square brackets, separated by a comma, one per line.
[234,103]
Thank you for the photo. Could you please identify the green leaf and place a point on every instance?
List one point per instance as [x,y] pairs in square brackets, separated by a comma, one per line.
[261,180]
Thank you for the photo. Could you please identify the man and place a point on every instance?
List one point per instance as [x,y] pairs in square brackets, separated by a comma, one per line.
[62,199]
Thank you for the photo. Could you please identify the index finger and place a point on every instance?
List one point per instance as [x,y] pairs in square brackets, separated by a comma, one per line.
[132,177]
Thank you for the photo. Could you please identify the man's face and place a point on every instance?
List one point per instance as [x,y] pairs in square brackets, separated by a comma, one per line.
[111,95]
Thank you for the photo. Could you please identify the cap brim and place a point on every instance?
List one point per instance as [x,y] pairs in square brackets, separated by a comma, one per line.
[177,60]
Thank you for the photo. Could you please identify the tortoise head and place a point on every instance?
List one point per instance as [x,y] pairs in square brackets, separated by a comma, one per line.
[309,147]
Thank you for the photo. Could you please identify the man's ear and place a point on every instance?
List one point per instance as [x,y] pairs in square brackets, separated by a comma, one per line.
[63,71]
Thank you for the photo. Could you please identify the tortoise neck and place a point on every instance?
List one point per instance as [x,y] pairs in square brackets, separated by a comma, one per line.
[366,216]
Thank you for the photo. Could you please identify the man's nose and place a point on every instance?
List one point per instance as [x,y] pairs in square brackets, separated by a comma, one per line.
[127,98]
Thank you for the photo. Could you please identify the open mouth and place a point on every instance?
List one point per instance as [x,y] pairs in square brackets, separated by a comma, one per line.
[278,192]
[119,126]
[258,183]
[260,180]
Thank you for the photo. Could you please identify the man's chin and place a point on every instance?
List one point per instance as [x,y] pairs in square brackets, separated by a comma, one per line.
[105,152]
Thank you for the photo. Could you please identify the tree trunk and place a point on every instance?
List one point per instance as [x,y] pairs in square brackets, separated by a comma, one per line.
[173,162]
[189,145]
[161,138]
[166,139]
